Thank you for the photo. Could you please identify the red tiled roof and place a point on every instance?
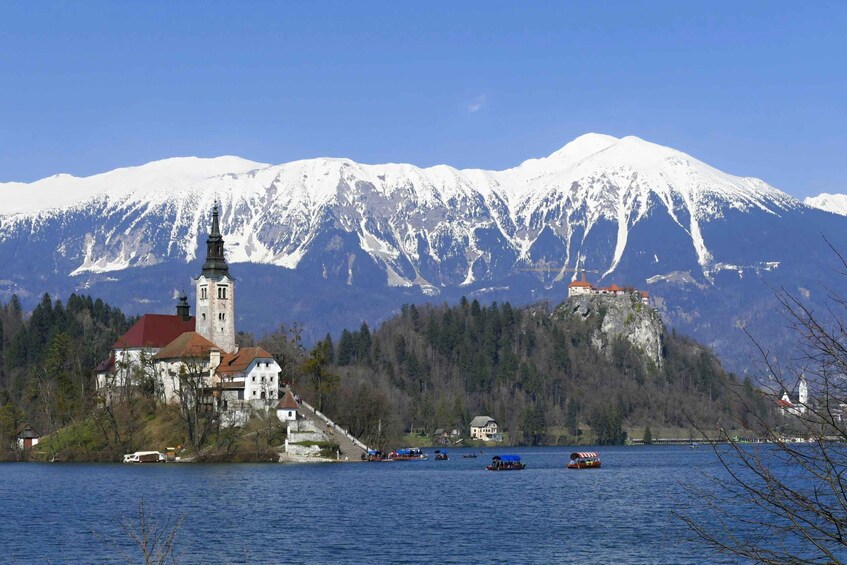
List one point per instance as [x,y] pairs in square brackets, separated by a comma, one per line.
[239,361]
[583,284]
[288,402]
[189,344]
[645,294]
[782,403]
[614,288]
[154,330]
[106,366]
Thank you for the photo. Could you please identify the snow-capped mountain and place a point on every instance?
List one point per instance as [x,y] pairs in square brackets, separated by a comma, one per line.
[835,203]
[330,241]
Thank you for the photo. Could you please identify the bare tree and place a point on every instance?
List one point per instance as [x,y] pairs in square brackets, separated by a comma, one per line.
[156,540]
[197,407]
[785,501]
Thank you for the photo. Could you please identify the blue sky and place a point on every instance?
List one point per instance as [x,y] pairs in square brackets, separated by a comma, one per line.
[753,88]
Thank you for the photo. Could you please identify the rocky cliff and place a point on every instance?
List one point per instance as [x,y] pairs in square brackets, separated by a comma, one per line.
[624,317]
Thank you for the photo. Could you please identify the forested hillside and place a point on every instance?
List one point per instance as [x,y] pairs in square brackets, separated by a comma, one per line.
[546,375]
[536,370]
[47,359]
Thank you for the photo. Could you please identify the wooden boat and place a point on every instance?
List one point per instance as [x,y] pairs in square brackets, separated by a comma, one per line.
[374,455]
[440,455]
[144,457]
[506,463]
[584,460]
[408,454]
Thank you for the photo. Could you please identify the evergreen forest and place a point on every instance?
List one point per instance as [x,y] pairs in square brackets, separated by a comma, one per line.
[532,369]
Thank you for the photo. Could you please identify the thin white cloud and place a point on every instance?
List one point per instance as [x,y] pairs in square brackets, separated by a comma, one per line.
[477,104]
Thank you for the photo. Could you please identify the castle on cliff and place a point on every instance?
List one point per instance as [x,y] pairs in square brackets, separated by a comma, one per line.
[583,287]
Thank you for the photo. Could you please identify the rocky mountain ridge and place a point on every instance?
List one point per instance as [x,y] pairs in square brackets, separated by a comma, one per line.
[330,242]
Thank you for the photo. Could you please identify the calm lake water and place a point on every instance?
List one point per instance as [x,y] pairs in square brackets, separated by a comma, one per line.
[430,511]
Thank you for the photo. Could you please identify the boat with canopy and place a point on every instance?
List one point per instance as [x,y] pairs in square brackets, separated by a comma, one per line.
[584,460]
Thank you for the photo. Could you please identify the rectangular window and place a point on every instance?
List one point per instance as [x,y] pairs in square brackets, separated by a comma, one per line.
[221,316]
[204,293]
[222,292]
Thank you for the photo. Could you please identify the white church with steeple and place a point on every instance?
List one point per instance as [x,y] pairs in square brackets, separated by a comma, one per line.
[215,289]
[800,408]
[170,348]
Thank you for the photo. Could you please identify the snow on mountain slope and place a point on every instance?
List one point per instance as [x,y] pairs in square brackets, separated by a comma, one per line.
[835,203]
[606,178]
[63,190]
[431,227]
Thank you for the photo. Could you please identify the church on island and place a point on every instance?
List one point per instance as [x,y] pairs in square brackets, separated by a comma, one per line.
[180,355]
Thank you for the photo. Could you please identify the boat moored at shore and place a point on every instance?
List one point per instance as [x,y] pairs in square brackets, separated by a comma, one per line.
[374,455]
[144,457]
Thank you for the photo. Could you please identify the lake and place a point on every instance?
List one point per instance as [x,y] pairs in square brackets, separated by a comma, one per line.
[404,512]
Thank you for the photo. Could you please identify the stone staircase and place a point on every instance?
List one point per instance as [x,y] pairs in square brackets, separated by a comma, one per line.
[351,449]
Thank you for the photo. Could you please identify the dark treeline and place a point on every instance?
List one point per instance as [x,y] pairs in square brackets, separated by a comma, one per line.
[47,359]
[537,373]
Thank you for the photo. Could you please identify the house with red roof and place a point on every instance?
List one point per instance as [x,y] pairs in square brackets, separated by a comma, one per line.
[189,356]
[249,375]
[131,359]
[576,288]
[287,408]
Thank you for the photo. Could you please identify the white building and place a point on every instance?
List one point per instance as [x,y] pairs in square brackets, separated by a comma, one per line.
[788,407]
[485,428]
[131,360]
[216,293]
[287,408]
[26,438]
[190,356]
[250,375]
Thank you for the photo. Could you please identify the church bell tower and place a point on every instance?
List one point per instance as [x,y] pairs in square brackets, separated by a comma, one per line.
[216,293]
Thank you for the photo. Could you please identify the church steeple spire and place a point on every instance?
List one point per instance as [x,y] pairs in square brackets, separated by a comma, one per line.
[215,313]
[215,264]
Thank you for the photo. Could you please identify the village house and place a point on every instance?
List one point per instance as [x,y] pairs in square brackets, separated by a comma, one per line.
[248,375]
[26,438]
[485,428]
[441,437]
[287,408]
